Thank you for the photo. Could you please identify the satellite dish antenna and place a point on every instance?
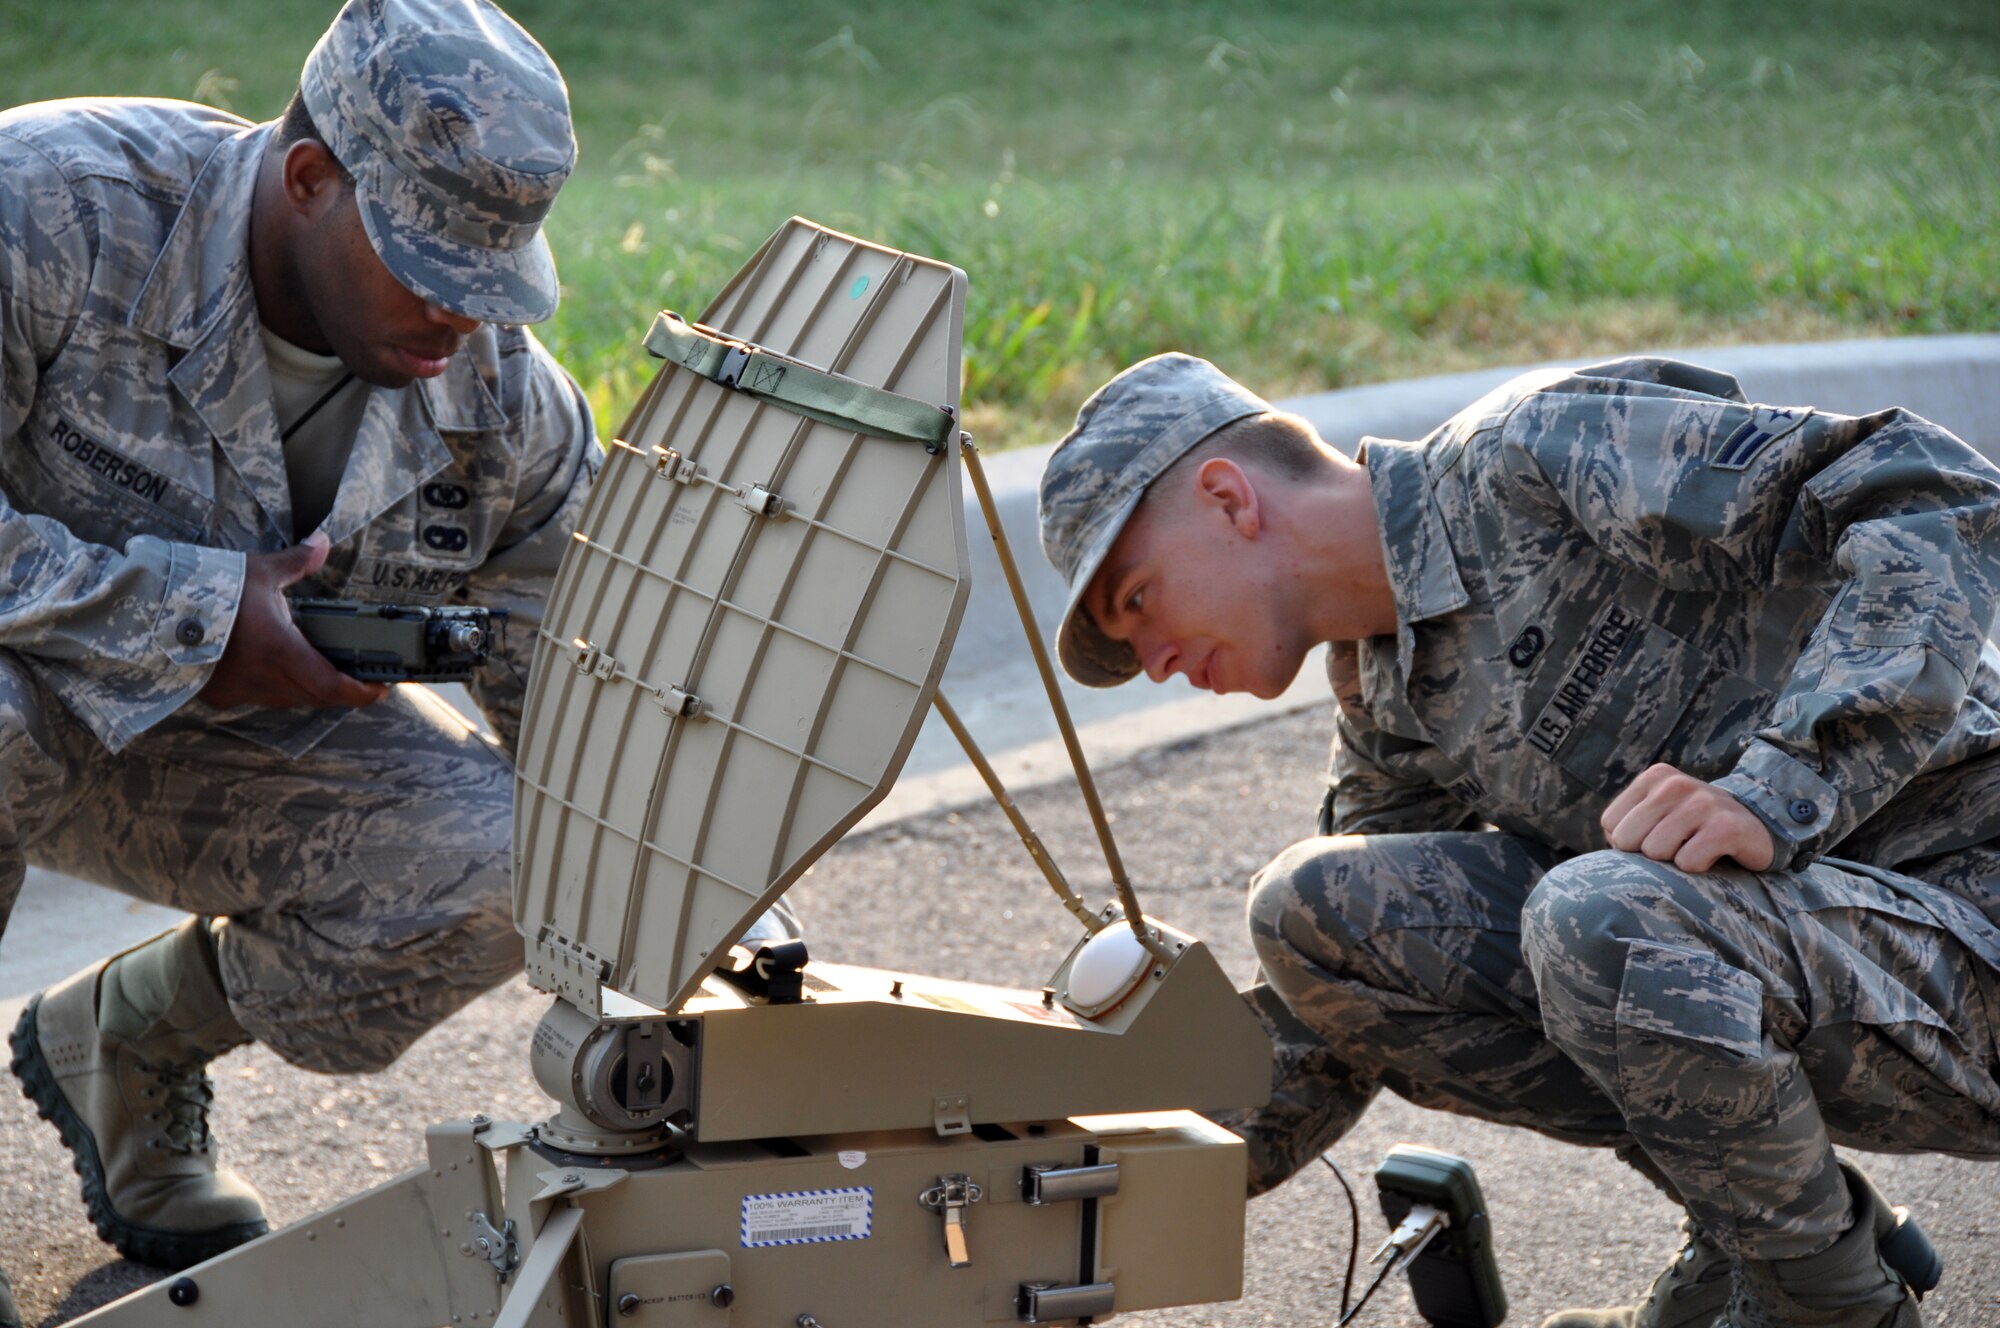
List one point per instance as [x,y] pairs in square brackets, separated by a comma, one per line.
[739,648]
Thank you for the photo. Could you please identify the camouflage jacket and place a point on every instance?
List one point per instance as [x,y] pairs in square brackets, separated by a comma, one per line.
[1600,569]
[139,448]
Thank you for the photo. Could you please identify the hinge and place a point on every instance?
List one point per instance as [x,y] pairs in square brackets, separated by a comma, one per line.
[496,1245]
[566,966]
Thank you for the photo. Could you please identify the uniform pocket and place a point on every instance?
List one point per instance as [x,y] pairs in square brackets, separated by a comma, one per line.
[1871,954]
[1901,1025]
[1690,1032]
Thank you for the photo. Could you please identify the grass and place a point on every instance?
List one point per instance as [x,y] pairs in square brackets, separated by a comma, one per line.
[1312,195]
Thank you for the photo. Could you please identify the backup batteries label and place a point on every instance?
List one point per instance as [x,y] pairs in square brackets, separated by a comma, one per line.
[807,1217]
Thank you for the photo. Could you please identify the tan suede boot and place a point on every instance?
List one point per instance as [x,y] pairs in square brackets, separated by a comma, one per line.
[114,1058]
[1690,1293]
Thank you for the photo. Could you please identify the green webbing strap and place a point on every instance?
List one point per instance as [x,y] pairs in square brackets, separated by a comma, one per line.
[797,387]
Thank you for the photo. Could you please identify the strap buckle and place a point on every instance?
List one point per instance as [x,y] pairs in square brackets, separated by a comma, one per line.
[734,361]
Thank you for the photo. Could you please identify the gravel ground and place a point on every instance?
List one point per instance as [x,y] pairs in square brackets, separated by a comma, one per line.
[953,894]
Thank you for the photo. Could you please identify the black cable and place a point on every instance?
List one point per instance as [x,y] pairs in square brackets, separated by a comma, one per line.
[1353,1233]
[1394,1262]
[313,409]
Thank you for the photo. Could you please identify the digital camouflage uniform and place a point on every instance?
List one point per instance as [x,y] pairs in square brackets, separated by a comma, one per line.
[360,856]
[1595,571]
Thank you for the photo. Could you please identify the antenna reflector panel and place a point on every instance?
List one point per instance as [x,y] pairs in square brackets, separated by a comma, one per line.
[746,631]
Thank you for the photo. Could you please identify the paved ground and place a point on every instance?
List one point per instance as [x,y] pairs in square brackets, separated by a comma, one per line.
[952,893]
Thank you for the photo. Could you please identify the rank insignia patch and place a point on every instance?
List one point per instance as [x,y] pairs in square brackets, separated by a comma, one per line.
[1765,426]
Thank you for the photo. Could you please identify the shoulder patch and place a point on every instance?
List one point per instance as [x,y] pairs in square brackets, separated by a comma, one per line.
[1765,426]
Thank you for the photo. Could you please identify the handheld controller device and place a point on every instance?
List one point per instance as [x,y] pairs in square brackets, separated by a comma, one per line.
[1433,1202]
[400,642]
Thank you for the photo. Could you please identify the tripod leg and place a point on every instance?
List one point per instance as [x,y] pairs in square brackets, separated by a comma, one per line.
[532,1290]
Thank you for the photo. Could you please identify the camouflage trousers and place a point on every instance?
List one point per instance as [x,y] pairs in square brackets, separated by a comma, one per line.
[366,884]
[1722,1030]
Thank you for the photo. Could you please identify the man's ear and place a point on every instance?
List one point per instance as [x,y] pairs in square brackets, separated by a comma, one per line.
[312,178]
[1222,484]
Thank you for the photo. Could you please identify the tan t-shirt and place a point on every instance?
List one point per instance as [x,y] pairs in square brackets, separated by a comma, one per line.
[319,406]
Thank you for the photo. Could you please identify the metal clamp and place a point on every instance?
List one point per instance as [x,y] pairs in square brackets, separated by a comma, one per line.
[669,464]
[760,501]
[592,661]
[677,702]
[949,1198]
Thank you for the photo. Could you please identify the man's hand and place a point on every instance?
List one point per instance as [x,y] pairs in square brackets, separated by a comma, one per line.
[1674,817]
[267,661]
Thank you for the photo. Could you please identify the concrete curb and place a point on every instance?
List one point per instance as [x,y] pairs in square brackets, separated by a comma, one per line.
[60,925]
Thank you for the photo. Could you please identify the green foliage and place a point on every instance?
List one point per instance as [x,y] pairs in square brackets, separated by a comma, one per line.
[1311,195]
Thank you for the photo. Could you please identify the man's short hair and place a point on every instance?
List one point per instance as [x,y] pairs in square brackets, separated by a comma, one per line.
[1277,442]
[296,126]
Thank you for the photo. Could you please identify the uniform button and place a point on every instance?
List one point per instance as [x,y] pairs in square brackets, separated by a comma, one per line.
[1804,812]
[190,632]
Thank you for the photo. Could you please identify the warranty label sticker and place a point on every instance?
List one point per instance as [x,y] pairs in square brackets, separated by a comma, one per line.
[807,1217]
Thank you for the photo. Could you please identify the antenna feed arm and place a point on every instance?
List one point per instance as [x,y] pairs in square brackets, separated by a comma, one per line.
[1003,549]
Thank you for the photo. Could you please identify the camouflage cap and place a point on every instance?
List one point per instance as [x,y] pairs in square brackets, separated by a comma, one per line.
[1126,436]
[455,125]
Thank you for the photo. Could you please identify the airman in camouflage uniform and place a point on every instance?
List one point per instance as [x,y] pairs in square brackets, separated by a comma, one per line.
[1664,810]
[163,727]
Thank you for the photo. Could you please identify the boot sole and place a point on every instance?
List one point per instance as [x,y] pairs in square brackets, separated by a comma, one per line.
[142,1244]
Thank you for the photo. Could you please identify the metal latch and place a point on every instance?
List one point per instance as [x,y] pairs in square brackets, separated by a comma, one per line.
[498,1247]
[951,1113]
[1045,1302]
[1054,1184]
[949,1198]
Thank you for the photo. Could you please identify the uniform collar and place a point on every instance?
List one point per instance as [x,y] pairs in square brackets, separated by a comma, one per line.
[1423,573]
[461,400]
[1423,576]
[203,269]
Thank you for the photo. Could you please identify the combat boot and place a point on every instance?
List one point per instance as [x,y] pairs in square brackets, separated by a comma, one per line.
[114,1059]
[1690,1293]
[1851,1284]
[1695,1288]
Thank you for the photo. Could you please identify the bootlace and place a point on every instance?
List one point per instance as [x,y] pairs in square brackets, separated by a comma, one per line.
[185,1095]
